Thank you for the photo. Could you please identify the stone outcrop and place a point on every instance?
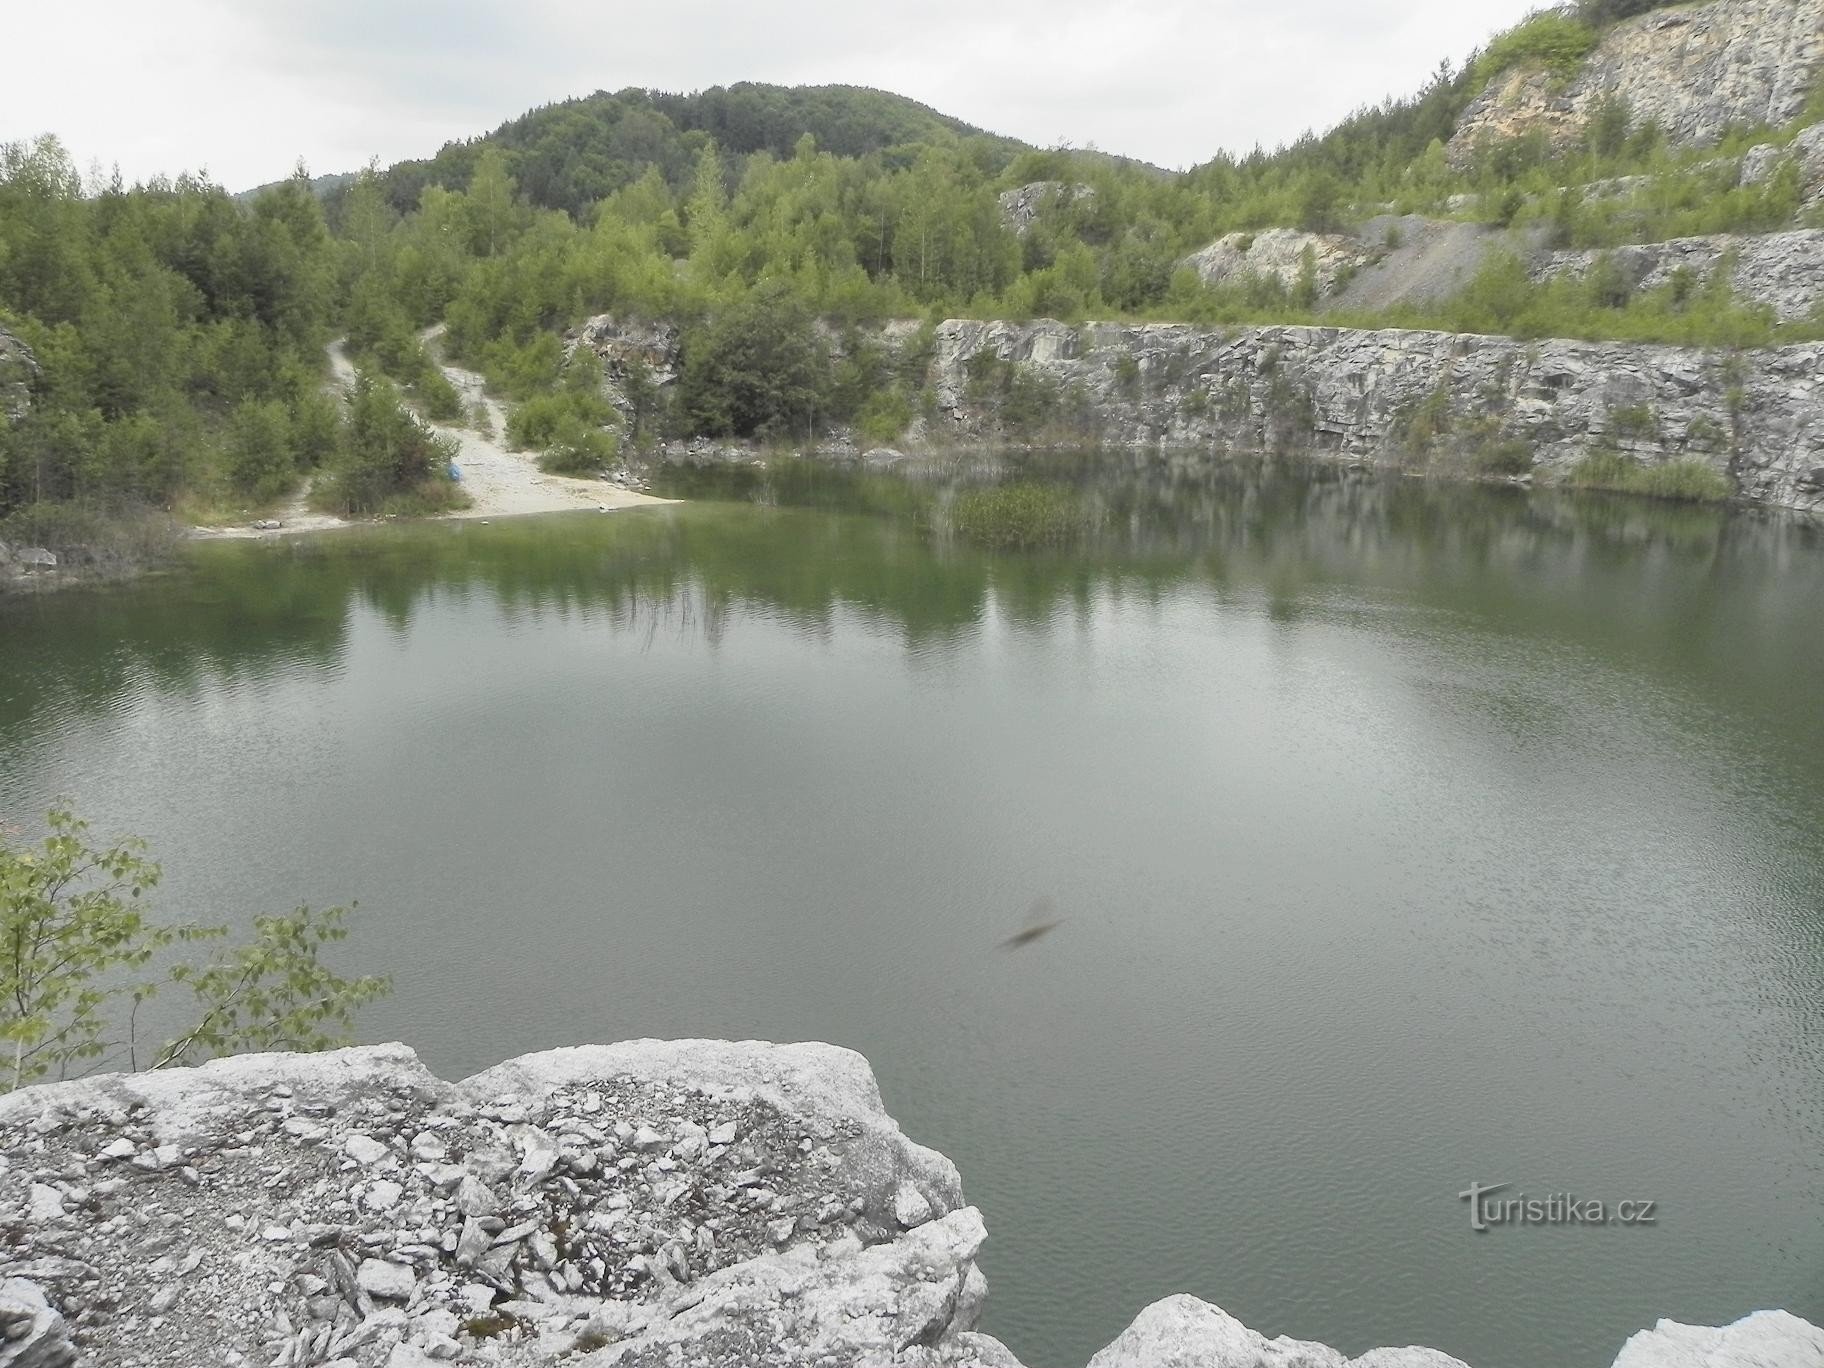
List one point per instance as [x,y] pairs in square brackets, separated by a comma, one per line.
[18,373]
[1184,1330]
[32,1333]
[1769,1337]
[1024,205]
[1806,152]
[1403,397]
[1278,254]
[624,347]
[643,1205]
[1692,70]
[1780,271]
[699,1202]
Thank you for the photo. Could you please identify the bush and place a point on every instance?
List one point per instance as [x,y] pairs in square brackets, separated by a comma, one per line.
[758,370]
[1505,456]
[884,416]
[1601,13]
[390,461]
[260,449]
[580,452]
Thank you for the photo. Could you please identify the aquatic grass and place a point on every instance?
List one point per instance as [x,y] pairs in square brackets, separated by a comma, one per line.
[1019,517]
[1689,480]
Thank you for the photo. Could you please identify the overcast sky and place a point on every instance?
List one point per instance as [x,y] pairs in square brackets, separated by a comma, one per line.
[243,88]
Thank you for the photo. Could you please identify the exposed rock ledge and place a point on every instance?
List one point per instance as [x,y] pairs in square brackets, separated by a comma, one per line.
[1403,397]
[650,1203]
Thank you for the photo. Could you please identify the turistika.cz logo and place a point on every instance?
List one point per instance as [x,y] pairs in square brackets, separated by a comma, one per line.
[1487,1209]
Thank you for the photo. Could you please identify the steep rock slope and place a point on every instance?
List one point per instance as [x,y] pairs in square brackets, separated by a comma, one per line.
[18,372]
[1693,70]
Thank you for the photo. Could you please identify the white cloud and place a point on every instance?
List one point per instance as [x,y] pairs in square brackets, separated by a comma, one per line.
[244,87]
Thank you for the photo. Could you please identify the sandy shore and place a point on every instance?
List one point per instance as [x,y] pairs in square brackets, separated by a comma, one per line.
[499,483]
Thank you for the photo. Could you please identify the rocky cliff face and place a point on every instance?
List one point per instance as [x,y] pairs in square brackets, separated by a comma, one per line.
[18,373]
[1285,255]
[1780,271]
[1693,70]
[1024,205]
[642,1205]
[1406,398]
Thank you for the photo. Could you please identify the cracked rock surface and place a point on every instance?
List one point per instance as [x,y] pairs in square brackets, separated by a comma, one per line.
[692,1202]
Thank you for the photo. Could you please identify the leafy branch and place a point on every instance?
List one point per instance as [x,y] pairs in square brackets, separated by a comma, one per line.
[76,964]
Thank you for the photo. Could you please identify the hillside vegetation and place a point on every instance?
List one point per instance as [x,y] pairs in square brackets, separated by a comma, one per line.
[181,335]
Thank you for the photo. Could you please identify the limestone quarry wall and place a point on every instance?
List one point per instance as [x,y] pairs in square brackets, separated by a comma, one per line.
[1694,70]
[1397,397]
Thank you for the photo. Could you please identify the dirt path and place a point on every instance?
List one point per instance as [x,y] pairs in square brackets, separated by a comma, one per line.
[500,483]
[504,483]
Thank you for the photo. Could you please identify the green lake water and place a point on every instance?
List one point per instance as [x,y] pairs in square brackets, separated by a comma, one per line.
[1403,837]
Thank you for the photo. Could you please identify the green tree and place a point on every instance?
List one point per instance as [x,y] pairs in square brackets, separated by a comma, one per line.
[389,457]
[79,953]
[492,204]
[758,370]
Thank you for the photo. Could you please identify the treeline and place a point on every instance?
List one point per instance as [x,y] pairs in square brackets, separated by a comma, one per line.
[182,335]
[572,154]
[180,339]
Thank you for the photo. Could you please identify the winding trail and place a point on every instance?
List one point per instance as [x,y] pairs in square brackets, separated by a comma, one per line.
[500,483]
[505,483]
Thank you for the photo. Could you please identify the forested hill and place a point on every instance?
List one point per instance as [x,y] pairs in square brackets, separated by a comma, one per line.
[166,343]
[569,155]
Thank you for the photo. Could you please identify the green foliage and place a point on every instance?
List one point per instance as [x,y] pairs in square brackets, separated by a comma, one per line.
[1551,40]
[569,425]
[1503,299]
[884,415]
[274,993]
[1019,517]
[569,156]
[389,460]
[1689,480]
[1634,420]
[169,324]
[757,370]
[181,334]
[78,955]
[260,449]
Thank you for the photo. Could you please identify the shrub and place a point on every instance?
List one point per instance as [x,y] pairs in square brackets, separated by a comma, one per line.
[758,370]
[1505,456]
[390,461]
[260,449]
[1634,420]
[883,416]
[582,452]
[84,535]
[74,914]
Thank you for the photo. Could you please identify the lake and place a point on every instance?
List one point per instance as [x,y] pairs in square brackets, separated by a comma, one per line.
[1403,836]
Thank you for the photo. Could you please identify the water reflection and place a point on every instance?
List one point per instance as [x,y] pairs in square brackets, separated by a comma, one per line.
[1404,835]
[1689,587]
